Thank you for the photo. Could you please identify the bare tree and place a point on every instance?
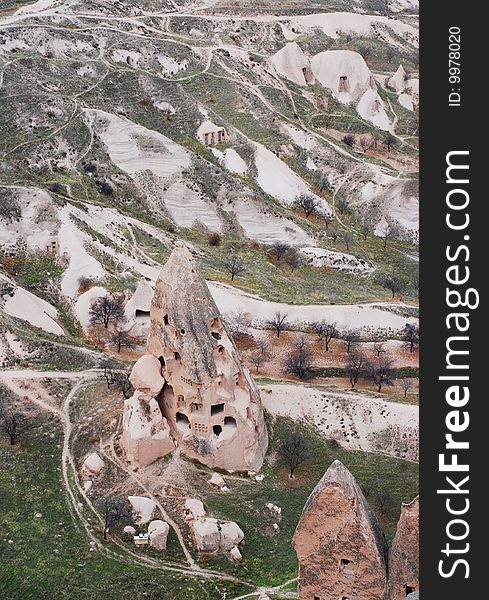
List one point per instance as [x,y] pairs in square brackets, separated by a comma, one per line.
[262,345]
[299,360]
[391,282]
[326,331]
[257,359]
[411,336]
[105,310]
[379,348]
[9,420]
[293,451]
[279,249]
[333,233]
[325,184]
[351,338]
[390,141]
[113,510]
[382,372]
[107,373]
[237,322]
[121,379]
[349,140]
[356,365]
[278,322]
[342,205]
[348,240]
[405,384]
[235,266]
[293,259]
[261,354]
[307,203]
[121,339]
[391,230]
[386,502]
[365,142]
[365,229]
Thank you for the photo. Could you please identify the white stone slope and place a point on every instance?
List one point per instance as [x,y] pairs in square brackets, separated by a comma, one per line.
[231,160]
[71,240]
[366,317]
[134,149]
[335,24]
[28,307]
[278,180]
[289,62]
[357,421]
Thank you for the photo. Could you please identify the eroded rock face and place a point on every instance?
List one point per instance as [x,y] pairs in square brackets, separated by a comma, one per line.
[209,400]
[212,535]
[146,435]
[207,535]
[93,464]
[404,556]
[146,375]
[158,534]
[339,543]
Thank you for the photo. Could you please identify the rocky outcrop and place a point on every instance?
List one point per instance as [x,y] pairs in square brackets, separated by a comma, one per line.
[339,544]
[209,399]
[93,464]
[158,531]
[191,387]
[212,536]
[146,435]
[404,555]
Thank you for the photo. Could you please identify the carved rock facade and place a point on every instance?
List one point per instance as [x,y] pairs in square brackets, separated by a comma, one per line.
[207,397]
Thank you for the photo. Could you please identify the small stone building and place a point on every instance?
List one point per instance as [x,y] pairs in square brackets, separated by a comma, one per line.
[210,134]
[339,544]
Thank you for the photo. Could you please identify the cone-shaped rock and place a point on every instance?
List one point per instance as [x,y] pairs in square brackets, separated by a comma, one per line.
[338,541]
[404,556]
[209,399]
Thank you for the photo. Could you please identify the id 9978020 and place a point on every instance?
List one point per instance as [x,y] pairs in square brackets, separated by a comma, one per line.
[454,66]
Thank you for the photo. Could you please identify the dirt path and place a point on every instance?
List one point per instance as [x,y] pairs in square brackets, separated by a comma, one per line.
[14,381]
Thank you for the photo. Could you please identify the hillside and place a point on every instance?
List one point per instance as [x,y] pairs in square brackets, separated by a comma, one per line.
[277,141]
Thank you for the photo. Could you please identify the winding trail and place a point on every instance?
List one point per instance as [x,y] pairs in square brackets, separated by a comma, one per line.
[14,379]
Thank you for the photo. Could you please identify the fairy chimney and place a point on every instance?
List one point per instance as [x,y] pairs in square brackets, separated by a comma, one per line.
[339,544]
[404,556]
[208,398]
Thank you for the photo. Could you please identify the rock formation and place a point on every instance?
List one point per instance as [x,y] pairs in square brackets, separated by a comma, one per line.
[404,555]
[158,531]
[339,544]
[93,464]
[192,369]
[138,308]
[146,435]
[212,536]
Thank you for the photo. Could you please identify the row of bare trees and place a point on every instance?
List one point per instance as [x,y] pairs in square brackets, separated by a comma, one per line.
[327,331]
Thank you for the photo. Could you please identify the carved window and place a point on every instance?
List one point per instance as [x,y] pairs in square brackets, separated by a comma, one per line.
[217,408]
[217,430]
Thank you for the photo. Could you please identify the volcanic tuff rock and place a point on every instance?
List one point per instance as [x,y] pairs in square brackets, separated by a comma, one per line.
[192,369]
[339,544]
[404,555]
